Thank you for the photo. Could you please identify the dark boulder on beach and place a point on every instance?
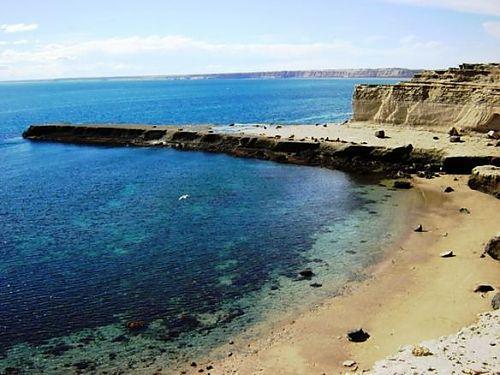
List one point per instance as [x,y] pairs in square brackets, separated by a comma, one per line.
[492,248]
[449,189]
[453,132]
[484,288]
[402,184]
[357,335]
[380,134]
[418,228]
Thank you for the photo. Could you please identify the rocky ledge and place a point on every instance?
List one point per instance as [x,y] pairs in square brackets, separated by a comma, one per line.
[486,178]
[336,154]
[473,350]
[467,97]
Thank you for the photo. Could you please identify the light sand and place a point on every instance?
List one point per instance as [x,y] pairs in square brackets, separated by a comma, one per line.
[414,295]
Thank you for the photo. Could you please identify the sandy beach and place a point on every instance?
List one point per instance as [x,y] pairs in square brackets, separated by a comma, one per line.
[414,294]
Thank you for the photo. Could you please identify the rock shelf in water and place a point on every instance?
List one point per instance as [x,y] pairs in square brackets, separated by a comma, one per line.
[337,154]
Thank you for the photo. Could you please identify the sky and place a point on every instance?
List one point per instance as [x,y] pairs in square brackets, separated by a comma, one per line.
[91,38]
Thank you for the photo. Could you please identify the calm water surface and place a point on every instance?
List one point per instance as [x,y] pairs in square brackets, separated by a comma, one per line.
[93,237]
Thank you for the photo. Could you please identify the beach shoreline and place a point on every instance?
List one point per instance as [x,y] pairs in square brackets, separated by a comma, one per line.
[413,294]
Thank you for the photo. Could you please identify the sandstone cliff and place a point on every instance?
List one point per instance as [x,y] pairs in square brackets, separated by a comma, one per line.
[467,97]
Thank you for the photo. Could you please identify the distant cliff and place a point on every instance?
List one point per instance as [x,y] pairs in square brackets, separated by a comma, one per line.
[329,73]
[467,97]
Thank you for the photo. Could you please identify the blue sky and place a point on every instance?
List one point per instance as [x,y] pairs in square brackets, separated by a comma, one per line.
[65,38]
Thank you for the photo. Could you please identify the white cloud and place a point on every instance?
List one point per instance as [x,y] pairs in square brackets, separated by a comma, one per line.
[18,27]
[13,43]
[175,54]
[490,7]
[492,28]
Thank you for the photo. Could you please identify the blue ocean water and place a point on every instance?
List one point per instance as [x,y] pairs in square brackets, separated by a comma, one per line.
[94,237]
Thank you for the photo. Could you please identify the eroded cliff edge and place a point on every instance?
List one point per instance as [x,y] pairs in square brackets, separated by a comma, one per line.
[467,97]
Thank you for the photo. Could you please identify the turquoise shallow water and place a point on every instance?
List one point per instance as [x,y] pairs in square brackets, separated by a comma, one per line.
[93,237]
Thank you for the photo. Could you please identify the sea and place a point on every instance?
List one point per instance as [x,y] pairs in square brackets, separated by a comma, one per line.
[95,240]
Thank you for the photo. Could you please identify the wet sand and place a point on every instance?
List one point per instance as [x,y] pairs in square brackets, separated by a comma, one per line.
[414,294]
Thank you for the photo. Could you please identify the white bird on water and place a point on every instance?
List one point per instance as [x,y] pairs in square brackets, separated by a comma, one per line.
[182,197]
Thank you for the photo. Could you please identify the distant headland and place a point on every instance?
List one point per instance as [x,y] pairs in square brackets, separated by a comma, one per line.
[281,74]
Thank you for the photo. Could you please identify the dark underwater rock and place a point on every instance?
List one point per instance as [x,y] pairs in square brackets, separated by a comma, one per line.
[136,325]
[230,316]
[306,273]
[58,349]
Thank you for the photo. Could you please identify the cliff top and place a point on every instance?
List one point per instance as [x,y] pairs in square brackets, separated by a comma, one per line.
[465,74]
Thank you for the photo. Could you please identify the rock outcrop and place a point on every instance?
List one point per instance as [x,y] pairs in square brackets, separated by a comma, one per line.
[467,97]
[486,178]
[473,350]
[334,154]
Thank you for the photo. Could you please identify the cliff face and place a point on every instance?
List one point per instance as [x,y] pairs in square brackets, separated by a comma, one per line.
[467,97]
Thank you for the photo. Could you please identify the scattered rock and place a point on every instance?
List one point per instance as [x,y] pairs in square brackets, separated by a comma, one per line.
[380,134]
[357,335]
[136,325]
[447,254]
[449,189]
[464,210]
[84,365]
[402,184]
[230,316]
[492,248]
[349,363]
[495,301]
[58,349]
[316,285]
[193,364]
[455,139]
[484,288]
[420,351]
[210,367]
[418,228]
[493,134]
[306,273]
[453,132]
[435,138]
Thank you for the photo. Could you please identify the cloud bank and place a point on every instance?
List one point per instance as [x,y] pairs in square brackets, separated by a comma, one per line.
[18,27]
[488,7]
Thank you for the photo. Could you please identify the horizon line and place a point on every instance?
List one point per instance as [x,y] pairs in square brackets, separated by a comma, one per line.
[226,75]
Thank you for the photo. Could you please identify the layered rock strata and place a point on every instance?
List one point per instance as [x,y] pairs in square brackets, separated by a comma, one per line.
[467,97]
